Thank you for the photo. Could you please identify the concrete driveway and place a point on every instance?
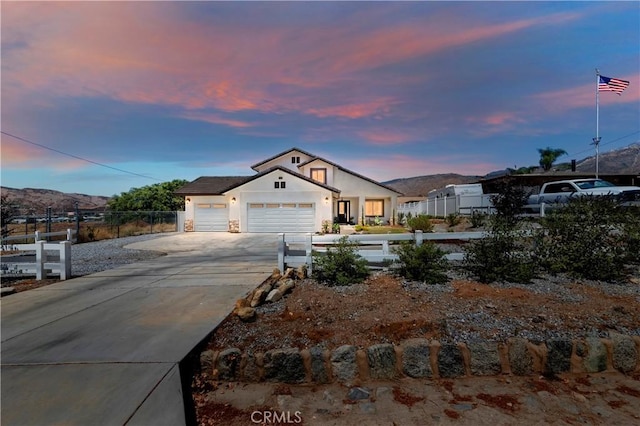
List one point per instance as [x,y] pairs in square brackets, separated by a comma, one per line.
[105,349]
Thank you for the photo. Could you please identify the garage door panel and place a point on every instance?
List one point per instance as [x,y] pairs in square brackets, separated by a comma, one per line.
[285,217]
[211,217]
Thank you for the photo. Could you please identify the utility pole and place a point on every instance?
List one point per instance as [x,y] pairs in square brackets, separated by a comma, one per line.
[77,221]
[596,140]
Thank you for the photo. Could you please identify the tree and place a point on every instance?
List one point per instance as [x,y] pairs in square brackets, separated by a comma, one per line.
[549,155]
[156,197]
[509,201]
[9,210]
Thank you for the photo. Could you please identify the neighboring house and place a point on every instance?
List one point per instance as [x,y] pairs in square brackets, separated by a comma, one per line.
[294,191]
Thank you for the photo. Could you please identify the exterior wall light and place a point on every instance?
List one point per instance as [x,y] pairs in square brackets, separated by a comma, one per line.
[233,200]
[188,200]
[326,200]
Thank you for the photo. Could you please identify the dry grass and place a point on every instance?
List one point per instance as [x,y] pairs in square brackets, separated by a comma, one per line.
[93,231]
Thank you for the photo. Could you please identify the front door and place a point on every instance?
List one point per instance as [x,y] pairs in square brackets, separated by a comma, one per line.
[344,211]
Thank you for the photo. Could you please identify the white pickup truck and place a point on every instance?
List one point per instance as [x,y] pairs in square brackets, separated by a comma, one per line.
[560,191]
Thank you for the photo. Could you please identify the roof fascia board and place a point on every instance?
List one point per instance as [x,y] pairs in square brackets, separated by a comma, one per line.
[285,170]
[282,154]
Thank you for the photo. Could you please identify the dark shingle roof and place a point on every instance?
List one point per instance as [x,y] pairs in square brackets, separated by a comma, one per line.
[285,170]
[280,155]
[217,185]
[351,172]
[212,185]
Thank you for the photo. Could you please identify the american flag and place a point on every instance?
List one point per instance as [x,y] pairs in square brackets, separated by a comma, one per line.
[612,85]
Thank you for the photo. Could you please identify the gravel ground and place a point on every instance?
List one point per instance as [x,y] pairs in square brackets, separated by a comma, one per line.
[89,258]
[388,309]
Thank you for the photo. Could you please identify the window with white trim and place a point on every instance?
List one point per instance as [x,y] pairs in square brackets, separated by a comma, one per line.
[319,175]
[374,208]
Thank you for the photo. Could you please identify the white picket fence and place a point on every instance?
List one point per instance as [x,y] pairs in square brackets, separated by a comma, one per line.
[50,257]
[442,207]
[464,205]
[296,249]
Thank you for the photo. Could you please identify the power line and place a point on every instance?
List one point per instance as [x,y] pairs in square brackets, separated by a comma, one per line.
[76,157]
[610,142]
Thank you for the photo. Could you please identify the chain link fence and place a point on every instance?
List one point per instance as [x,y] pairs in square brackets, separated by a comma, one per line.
[95,226]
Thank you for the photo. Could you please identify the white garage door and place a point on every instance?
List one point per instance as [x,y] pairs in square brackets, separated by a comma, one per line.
[281,217]
[211,217]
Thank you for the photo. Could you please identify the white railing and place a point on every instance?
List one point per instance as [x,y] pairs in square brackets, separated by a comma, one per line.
[50,258]
[442,207]
[70,235]
[297,249]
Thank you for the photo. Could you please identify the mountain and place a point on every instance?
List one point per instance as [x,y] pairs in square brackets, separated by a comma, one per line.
[620,161]
[420,186]
[35,201]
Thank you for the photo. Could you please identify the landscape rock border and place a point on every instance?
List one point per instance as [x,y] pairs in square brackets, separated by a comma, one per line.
[421,358]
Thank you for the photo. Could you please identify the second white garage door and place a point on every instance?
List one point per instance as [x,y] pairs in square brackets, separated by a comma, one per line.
[211,217]
[281,217]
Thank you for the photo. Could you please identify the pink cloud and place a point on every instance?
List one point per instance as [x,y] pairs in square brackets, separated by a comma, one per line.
[82,47]
[394,44]
[584,96]
[384,136]
[216,119]
[20,155]
[494,123]
[378,108]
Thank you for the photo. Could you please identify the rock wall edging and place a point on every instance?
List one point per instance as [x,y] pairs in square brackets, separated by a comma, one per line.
[421,358]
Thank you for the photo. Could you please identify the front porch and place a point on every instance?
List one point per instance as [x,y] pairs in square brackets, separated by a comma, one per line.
[364,210]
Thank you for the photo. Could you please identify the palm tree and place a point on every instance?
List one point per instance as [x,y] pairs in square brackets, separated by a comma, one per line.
[548,156]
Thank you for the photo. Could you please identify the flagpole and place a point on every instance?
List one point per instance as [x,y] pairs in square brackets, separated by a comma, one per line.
[597,139]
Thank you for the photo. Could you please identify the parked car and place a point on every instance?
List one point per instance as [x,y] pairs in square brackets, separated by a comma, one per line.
[559,192]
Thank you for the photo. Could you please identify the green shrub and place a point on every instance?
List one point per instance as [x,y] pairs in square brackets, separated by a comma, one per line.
[631,234]
[453,219]
[340,265]
[503,255]
[509,202]
[590,237]
[477,218]
[400,218]
[425,262]
[420,222]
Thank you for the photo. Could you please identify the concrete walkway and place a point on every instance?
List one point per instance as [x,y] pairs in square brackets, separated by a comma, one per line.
[105,349]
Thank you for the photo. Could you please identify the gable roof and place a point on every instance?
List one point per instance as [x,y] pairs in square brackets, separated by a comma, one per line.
[255,166]
[350,172]
[285,170]
[211,185]
[218,185]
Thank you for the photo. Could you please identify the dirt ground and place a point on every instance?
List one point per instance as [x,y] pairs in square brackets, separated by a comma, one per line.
[601,399]
[387,309]
[24,284]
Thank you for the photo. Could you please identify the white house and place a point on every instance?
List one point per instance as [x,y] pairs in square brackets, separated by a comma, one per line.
[294,191]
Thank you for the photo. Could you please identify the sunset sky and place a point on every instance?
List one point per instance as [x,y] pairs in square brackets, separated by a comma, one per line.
[178,90]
